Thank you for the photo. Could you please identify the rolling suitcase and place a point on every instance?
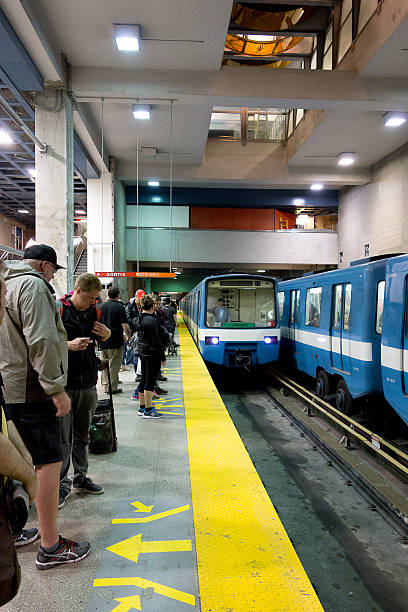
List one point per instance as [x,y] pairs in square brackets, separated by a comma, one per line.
[102,432]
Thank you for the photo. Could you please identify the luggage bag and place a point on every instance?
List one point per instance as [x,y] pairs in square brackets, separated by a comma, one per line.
[102,432]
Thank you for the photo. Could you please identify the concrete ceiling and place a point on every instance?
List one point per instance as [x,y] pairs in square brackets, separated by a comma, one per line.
[181,52]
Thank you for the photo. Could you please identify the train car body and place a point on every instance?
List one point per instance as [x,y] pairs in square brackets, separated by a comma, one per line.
[233,320]
[330,330]
[394,349]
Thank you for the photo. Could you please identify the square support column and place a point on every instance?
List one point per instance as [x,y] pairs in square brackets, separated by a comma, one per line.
[100,207]
[54,183]
[119,249]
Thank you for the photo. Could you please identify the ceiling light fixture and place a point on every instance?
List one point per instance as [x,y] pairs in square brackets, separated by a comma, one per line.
[156,199]
[23,211]
[394,119]
[299,201]
[346,159]
[316,187]
[80,212]
[5,137]
[32,172]
[261,270]
[127,37]
[153,183]
[141,111]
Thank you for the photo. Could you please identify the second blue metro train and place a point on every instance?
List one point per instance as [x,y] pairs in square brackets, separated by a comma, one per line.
[349,329]
[232,319]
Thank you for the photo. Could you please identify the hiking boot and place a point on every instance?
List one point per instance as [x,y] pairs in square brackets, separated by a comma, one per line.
[88,486]
[26,536]
[67,551]
[152,414]
[160,391]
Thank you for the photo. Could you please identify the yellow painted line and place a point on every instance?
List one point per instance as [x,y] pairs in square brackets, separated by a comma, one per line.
[168,399]
[172,413]
[152,517]
[141,507]
[128,603]
[246,561]
[142,583]
[133,547]
[169,405]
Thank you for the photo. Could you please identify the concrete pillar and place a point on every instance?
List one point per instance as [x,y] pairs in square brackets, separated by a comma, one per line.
[119,249]
[100,213]
[54,183]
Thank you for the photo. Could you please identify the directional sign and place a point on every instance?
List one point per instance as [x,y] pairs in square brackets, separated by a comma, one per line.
[133,547]
[152,517]
[136,274]
[128,603]
[142,583]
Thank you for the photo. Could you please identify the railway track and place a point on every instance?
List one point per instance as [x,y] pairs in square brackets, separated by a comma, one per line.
[372,463]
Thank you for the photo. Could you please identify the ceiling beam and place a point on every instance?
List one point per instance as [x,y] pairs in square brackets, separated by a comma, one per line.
[244,86]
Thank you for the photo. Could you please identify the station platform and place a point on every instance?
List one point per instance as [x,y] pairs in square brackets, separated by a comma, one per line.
[185,522]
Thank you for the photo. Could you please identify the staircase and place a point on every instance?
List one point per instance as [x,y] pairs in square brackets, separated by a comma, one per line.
[82,265]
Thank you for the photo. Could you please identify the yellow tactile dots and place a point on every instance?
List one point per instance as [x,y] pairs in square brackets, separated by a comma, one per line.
[246,562]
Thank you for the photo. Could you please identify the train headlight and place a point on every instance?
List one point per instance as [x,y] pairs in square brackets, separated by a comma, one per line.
[212,340]
[270,339]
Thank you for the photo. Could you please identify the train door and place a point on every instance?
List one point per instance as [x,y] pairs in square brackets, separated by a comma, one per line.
[195,317]
[294,318]
[340,330]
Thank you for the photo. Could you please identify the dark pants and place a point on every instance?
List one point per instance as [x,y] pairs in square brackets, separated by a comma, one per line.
[75,435]
[150,371]
[10,575]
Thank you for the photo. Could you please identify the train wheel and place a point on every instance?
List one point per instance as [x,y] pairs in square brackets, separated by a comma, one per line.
[344,401]
[322,384]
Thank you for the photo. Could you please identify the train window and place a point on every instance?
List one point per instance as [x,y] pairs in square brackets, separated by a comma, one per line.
[241,305]
[347,307]
[313,304]
[338,290]
[281,303]
[294,305]
[380,307]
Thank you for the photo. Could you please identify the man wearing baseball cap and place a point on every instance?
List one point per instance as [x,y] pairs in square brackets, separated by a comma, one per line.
[34,364]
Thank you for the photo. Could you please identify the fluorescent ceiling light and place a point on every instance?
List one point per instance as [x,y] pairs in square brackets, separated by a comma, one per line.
[80,212]
[316,187]
[395,119]
[156,199]
[127,37]
[299,201]
[346,159]
[261,270]
[23,211]
[153,183]
[32,172]
[157,227]
[178,272]
[5,137]
[141,111]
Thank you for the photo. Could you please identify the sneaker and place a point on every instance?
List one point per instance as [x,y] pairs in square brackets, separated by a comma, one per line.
[140,412]
[138,378]
[88,486]
[134,396]
[26,536]
[63,495]
[67,552]
[152,414]
[160,391]
[161,378]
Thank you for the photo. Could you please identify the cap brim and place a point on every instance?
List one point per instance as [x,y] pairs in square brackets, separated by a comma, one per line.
[58,267]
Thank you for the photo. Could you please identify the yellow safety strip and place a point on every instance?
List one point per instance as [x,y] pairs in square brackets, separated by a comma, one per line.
[246,562]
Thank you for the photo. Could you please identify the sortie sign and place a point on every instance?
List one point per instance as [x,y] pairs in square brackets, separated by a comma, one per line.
[137,274]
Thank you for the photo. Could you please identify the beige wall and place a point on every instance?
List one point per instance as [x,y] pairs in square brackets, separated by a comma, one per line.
[377,213]
[6,229]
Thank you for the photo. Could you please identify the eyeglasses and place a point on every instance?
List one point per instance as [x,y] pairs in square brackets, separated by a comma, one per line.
[52,265]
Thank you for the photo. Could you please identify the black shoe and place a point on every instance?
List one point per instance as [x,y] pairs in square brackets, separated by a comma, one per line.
[67,552]
[160,391]
[138,378]
[114,391]
[26,536]
[161,378]
[88,486]
[63,495]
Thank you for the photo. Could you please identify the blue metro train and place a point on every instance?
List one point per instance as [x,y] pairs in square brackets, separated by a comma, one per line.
[348,328]
[232,319]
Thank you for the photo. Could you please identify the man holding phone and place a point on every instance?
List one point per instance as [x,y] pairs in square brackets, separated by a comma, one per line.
[80,315]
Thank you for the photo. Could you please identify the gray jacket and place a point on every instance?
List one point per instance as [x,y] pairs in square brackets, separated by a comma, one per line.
[33,342]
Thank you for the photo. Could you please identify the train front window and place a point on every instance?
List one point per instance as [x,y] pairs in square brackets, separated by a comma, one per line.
[240,302]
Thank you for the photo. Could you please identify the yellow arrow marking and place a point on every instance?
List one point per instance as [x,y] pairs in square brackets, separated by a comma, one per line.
[152,517]
[133,547]
[141,507]
[128,603]
[168,406]
[173,413]
[142,583]
[172,399]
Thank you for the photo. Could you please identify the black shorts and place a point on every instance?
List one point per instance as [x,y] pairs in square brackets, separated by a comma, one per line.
[39,429]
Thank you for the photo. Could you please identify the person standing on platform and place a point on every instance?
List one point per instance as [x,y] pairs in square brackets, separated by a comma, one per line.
[33,362]
[80,315]
[171,314]
[113,315]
